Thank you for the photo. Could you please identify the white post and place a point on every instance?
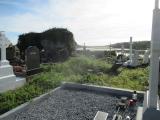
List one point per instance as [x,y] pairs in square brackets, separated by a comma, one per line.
[155,54]
[84,49]
[130,49]
[157,4]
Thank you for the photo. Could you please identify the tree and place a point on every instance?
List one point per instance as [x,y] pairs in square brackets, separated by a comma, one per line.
[53,41]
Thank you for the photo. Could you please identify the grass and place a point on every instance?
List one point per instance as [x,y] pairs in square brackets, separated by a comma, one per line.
[79,69]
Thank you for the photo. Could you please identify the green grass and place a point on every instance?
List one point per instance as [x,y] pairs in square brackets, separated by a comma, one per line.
[79,69]
[95,71]
[74,69]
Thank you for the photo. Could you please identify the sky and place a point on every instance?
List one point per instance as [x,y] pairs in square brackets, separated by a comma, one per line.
[93,22]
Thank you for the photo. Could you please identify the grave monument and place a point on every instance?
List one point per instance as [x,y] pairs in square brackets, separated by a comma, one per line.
[7,78]
[32,60]
[150,110]
[8,81]
[133,58]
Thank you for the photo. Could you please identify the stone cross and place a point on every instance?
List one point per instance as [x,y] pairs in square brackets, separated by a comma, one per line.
[4,43]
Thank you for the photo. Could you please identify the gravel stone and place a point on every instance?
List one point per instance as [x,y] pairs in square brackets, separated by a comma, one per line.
[65,104]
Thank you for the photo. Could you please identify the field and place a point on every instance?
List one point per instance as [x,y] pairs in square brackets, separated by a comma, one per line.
[80,69]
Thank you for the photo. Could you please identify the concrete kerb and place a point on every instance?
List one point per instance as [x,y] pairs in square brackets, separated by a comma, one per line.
[75,86]
[101,89]
[23,106]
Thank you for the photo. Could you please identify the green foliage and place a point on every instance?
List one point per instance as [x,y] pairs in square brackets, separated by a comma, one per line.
[24,94]
[75,69]
[135,79]
[95,71]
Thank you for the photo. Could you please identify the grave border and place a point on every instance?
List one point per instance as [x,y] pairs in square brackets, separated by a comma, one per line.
[76,86]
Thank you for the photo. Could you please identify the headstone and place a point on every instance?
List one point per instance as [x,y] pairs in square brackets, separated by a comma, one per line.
[32,59]
[7,78]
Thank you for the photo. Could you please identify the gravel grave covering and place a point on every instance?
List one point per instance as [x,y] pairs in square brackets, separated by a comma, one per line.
[67,104]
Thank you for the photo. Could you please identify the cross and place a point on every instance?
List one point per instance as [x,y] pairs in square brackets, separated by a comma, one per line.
[4,43]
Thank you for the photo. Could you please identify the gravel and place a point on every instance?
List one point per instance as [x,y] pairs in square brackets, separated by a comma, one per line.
[65,104]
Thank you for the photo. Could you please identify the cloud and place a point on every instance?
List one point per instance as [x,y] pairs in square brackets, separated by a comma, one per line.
[95,22]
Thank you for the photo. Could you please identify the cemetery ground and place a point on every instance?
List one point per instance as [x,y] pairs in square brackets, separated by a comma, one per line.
[79,69]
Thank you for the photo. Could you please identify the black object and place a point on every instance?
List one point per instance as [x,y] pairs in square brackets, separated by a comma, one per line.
[122,104]
[34,71]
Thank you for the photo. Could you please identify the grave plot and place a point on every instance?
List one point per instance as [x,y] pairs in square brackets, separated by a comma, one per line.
[74,104]
[31,64]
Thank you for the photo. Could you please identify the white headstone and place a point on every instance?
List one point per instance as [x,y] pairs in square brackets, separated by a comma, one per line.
[7,78]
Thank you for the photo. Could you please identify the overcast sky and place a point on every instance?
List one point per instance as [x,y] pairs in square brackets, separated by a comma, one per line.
[95,22]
